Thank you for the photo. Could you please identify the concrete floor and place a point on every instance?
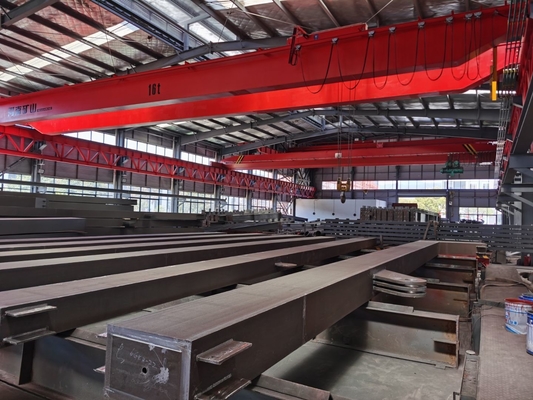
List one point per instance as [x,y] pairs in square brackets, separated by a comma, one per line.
[358,375]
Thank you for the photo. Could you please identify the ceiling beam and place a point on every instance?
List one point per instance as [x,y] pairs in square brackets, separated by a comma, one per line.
[235,45]
[23,11]
[487,115]
[150,20]
[373,10]
[327,11]
[221,19]
[288,13]
[255,19]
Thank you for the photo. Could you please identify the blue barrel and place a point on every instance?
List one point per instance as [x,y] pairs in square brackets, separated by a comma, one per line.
[529,343]
[526,296]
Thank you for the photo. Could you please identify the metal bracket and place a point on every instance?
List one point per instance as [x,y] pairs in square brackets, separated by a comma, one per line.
[27,311]
[224,390]
[223,352]
[28,336]
[400,285]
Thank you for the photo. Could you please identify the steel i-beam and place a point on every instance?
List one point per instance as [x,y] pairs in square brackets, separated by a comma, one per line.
[26,314]
[20,274]
[42,243]
[42,254]
[214,346]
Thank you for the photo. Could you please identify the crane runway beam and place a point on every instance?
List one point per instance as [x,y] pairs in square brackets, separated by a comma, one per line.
[210,345]
[20,274]
[110,296]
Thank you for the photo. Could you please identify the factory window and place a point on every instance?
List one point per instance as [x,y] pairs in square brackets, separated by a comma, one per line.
[74,187]
[234,203]
[195,158]
[196,203]
[261,204]
[473,184]
[94,136]
[485,215]
[416,184]
[151,199]
[148,148]
[264,174]
[15,187]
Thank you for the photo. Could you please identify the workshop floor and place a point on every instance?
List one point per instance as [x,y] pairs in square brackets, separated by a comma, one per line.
[358,375]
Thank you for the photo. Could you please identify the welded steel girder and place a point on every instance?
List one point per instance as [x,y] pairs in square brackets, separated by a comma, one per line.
[110,296]
[370,154]
[193,350]
[407,85]
[22,142]
[323,57]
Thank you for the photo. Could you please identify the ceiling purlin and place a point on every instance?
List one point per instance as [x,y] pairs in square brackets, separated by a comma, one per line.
[73,35]
[23,11]
[94,24]
[11,42]
[30,35]
[221,19]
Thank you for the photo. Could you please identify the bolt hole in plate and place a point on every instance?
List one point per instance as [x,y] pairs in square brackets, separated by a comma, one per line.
[144,370]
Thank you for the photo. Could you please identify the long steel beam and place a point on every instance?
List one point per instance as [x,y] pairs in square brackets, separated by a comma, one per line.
[220,343]
[110,296]
[477,133]
[83,152]
[124,247]
[43,243]
[21,274]
[269,70]
[411,152]
[24,11]
[452,80]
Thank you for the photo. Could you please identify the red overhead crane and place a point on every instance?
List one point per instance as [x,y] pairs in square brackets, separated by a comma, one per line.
[413,152]
[327,57]
[452,80]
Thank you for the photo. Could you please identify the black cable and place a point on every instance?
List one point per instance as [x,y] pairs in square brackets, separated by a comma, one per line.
[414,64]
[374,65]
[327,70]
[443,58]
[452,56]
[362,69]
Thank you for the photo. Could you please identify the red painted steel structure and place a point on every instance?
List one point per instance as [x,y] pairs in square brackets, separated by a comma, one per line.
[524,81]
[20,142]
[407,85]
[414,152]
[323,57]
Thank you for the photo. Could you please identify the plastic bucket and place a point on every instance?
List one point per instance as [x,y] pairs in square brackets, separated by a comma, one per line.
[526,296]
[516,311]
[529,344]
